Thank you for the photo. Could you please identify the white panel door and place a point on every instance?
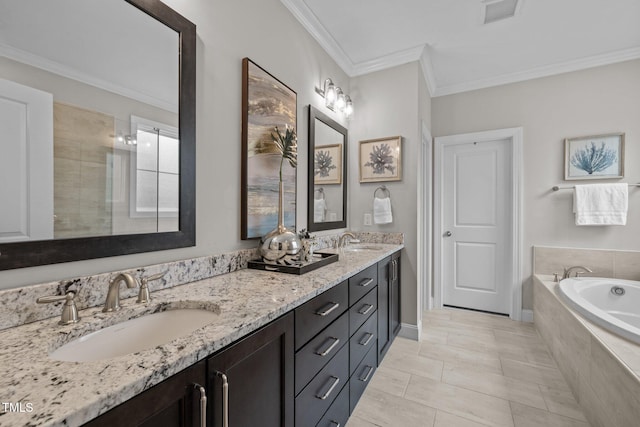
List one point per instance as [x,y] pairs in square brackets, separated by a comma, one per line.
[26,163]
[476,224]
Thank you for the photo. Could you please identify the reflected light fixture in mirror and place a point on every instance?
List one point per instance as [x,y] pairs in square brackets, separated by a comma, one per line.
[335,99]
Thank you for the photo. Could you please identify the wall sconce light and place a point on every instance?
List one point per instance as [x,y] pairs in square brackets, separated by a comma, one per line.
[126,139]
[335,99]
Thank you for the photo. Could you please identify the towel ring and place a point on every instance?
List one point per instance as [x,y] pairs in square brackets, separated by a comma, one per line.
[321,191]
[384,189]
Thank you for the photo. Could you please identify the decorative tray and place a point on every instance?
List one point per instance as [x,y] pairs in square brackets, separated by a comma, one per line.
[296,267]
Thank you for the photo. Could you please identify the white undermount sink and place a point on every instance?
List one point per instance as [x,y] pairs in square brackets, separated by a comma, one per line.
[134,335]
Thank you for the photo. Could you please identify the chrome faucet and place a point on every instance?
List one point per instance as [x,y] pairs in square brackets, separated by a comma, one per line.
[113,296]
[342,239]
[568,271]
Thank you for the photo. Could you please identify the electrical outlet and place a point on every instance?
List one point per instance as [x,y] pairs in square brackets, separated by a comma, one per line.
[367,219]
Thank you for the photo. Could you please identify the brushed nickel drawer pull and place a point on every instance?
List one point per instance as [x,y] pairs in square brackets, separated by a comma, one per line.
[365,282]
[203,404]
[366,377]
[366,310]
[336,380]
[335,422]
[225,399]
[366,341]
[323,313]
[331,347]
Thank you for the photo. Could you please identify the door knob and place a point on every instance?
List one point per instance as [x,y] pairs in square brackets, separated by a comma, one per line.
[447,234]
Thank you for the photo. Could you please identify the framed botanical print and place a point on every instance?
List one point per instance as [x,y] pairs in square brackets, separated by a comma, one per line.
[594,157]
[381,159]
[327,164]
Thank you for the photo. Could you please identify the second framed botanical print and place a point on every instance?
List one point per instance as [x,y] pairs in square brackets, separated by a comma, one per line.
[381,159]
[594,157]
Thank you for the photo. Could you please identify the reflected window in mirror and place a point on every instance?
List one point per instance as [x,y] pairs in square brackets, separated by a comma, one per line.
[327,178]
[100,96]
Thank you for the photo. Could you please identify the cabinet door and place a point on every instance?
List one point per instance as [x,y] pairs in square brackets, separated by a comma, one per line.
[175,402]
[384,332]
[258,371]
[394,295]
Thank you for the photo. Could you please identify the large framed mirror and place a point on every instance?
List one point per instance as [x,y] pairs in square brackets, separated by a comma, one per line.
[97,108]
[327,177]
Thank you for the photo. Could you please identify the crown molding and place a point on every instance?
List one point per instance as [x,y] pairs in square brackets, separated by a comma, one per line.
[74,74]
[310,22]
[388,61]
[427,70]
[546,71]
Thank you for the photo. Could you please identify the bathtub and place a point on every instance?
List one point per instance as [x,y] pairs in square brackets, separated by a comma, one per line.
[613,304]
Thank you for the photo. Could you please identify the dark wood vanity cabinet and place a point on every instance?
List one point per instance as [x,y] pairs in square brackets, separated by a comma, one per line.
[388,302]
[259,375]
[307,368]
[175,402]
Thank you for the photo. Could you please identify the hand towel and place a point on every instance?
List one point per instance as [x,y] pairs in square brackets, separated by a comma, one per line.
[382,211]
[319,208]
[601,204]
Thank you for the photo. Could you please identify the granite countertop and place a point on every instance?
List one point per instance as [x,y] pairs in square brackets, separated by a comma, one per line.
[56,393]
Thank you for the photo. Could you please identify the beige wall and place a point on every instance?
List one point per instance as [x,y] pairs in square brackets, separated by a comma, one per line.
[228,30]
[388,105]
[589,102]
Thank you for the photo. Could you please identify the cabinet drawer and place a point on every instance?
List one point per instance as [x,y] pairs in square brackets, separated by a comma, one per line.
[315,354]
[313,316]
[318,395]
[362,341]
[362,283]
[338,413]
[361,377]
[362,310]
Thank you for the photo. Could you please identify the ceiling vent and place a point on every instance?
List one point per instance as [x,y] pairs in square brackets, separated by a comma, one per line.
[497,10]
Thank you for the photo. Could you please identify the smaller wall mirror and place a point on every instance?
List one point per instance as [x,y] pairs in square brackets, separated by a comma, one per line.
[327,197]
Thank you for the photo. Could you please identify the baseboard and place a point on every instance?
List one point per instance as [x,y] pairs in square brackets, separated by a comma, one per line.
[409,331]
[527,316]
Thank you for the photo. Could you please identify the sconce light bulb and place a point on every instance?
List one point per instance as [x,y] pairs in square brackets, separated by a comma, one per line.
[340,101]
[329,93]
[348,108]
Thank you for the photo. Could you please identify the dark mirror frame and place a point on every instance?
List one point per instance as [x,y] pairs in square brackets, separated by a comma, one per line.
[314,114]
[43,252]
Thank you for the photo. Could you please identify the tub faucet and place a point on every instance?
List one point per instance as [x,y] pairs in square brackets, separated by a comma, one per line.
[568,271]
[113,296]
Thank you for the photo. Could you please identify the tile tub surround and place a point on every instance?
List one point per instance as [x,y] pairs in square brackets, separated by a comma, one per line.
[602,369]
[18,306]
[604,263]
[66,393]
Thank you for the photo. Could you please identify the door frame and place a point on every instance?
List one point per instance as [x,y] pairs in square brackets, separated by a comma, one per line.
[515,135]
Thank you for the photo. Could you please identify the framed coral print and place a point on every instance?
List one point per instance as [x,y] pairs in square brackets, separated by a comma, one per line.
[266,103]
[327,164]
[381,159]
[594,157]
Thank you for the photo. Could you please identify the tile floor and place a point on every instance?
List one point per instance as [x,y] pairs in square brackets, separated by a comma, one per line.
[470,369]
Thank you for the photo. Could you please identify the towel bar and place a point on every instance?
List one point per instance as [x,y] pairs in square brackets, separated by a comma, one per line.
[556,188]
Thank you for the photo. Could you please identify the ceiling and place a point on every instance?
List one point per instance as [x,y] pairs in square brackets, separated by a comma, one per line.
[458,52]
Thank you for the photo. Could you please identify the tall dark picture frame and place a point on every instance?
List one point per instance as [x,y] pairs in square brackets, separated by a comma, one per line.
[266,103]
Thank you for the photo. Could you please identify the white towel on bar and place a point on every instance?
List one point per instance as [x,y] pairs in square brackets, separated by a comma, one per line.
[382,211]
[319,209]
[601,204]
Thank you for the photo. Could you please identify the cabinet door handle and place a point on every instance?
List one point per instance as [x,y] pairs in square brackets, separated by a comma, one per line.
[366,310]
[337,424]
[331,347]
[366,377]
[333,385]
[326,311]
[367,340]
[365,282]
[225,399]
[203,404]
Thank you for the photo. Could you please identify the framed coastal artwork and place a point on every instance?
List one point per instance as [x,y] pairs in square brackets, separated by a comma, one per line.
[594,157]
[381,159]
[327,164]
[266,103]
